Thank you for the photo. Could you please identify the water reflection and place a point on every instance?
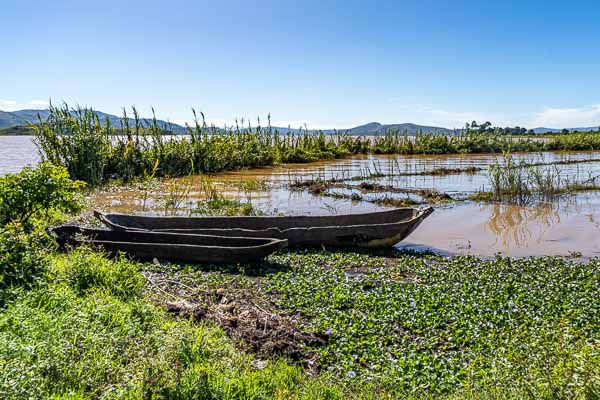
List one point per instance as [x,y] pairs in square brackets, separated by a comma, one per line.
[519,226]
[569,225]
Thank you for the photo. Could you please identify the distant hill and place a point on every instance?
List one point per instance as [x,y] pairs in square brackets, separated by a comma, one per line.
[554,130]
[10,119]
[27,117]
[375,128]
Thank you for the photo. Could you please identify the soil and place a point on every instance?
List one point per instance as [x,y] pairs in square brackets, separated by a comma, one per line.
[243,314]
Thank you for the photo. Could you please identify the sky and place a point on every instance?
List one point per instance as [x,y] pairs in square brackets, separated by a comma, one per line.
[323,64]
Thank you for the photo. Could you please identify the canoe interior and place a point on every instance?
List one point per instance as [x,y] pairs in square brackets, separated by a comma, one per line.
[68,233]
[257,223]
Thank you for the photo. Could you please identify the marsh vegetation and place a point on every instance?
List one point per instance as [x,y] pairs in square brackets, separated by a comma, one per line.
[94,151]
[304,323]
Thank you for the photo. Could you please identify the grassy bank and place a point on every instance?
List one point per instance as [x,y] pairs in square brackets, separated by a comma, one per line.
[411,327]
[303,324]
[94,151]
[88,332]
[19,130]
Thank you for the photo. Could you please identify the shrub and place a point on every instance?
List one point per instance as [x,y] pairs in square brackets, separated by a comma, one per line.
[37,191]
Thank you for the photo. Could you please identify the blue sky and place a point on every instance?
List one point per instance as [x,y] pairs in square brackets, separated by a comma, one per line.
[323,63]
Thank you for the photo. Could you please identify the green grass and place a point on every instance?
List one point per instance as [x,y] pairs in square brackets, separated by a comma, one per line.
[88,333]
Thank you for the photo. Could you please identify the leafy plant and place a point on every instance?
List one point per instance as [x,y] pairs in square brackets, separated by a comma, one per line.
[86,270]
[432,325]
[34,192]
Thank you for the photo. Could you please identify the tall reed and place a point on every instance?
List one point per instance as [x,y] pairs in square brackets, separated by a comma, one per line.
[522,183]
[94,151]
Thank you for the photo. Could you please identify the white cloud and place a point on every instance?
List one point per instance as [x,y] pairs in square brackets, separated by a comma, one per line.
[8,105]
[39,103]
[11,105]
[568,117]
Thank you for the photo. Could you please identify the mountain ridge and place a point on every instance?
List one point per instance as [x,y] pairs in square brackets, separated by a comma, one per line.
[9,119]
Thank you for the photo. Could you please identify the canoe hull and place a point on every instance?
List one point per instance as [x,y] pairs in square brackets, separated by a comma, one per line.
[373,230]
[171,246]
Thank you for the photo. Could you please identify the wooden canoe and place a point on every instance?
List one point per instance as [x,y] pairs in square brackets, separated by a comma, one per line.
[145,245]
[373,230]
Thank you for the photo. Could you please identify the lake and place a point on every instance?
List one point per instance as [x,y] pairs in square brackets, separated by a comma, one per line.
[17,152]
[566,226]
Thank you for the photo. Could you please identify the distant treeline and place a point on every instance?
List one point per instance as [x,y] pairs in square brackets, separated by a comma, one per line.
[487,127]
[19,130]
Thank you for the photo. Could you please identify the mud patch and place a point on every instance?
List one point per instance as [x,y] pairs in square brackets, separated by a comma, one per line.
[244,315]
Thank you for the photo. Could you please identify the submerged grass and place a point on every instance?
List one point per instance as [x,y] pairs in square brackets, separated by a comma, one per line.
[522,183]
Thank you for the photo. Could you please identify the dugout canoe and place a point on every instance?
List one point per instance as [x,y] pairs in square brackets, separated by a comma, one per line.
[372,230]
[193,248]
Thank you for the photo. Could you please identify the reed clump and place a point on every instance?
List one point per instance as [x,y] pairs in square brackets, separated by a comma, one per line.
[521,183]
[466,142]
[94,151]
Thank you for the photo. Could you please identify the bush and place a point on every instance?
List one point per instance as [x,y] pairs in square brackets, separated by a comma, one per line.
[37,191]
[22,260]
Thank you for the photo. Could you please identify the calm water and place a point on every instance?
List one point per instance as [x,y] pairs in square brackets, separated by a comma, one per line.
[17,152]
[558,228]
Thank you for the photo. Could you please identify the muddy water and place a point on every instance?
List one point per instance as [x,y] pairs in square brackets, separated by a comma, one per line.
[565,227]
[569,225]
